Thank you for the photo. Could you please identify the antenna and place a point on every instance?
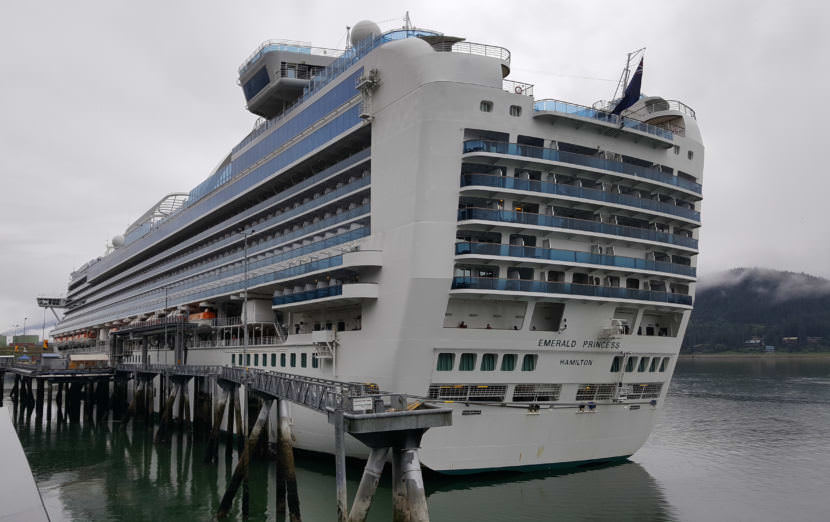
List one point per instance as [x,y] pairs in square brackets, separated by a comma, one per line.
[623,81]
[348,37]
[407,22]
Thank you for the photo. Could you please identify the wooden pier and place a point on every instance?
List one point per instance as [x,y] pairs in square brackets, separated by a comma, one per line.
[208,398]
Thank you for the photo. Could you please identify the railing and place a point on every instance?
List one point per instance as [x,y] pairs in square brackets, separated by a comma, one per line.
[239,343]
[495,249]
[490,51]
[596,114]
[285,45]
[517,87]
[490,180]
[499,147]
[548,287]
[317,293]
[525,218]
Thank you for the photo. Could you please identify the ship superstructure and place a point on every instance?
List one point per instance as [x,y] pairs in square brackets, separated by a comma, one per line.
[406,215]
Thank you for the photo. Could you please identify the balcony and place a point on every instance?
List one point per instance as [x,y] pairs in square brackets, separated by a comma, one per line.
[319,297]
[528,151]
[556,109]
[570,256]
[506,182]
[525,218]
[548,287]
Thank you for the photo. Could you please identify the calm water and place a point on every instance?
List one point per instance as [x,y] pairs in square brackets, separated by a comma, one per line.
[737,440]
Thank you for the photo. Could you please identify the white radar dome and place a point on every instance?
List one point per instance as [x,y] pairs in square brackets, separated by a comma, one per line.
[118,241]
[363,30]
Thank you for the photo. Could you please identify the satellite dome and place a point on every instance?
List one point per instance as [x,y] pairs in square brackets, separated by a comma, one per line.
[118,241]
[363,30]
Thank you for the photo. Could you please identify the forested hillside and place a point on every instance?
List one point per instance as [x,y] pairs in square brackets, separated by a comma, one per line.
[787,310]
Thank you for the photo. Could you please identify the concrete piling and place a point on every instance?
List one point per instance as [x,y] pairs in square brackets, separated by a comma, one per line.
[368,484]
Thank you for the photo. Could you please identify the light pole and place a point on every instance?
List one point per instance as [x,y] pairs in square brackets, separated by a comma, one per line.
[43,327]
[245,234]
[24,325]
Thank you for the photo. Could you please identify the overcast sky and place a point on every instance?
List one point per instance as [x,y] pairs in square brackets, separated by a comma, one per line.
[105,106]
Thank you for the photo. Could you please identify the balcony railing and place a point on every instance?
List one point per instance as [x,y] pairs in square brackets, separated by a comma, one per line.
[517,87]
[570,256]
[285,45]
[525,218]
[490,51]
[548,287]
[595,114]
[507,182]
[317,293]
[514,149]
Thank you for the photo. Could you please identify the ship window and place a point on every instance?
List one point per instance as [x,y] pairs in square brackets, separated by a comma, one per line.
[515,110]
[663,364]
[629,364]
[303,360]
[247,359]
[315,362]
[642,366]
[233,359]
[677,149]
[529,362]
[282,360]
[293,360]
[445,362]
[691,154]
[508,362]
[273,359]
[256,359]
[616,364]
[486,106]
[653,366]
[467,363]
[488,362]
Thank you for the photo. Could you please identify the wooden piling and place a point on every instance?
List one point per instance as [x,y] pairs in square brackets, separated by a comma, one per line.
[162,434]
[39,402]
[213,441]
[49,402]
[340,467]
[242,466]
[368,484]
[59,404]
[286,460]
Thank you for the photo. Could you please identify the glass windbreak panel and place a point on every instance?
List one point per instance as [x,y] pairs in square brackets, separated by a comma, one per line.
[445,362]
[629,364]
[488,362]
[467,363]
[616,364]
[282,360]
[303,360]
[529,362]
[642,366]
[508,362]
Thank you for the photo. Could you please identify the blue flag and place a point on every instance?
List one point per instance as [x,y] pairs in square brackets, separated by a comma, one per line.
[632,92]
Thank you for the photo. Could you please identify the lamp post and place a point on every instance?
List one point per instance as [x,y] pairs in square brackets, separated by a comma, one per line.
[245,234]
[24,325]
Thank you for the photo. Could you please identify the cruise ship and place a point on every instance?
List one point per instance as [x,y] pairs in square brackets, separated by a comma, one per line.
[404,214]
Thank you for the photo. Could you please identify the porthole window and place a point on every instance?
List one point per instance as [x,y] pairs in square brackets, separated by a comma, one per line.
[677,149]
[529,362]
[691,154]
[445,362]
[515,110]
[508,362]
[486,106]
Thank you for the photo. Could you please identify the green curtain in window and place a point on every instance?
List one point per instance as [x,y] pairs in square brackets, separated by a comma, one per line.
[293,360]
[508,362]
[273,359]
[256,359]
[282,360]
[445,362]
[467,363]
[488,362]
[233,359]
[529,363]
[303,359]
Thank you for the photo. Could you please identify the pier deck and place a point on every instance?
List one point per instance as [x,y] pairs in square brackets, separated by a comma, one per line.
[19,497]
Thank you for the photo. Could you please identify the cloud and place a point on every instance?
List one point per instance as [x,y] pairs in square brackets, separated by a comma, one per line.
[777,285]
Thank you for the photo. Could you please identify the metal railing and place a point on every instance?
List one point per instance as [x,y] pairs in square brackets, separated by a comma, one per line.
[549,287]
[500,147]
[317,293]
[508,182]
[288,46]
[583,111]
[478,49]
[571,256]
[526,218]
[517,87]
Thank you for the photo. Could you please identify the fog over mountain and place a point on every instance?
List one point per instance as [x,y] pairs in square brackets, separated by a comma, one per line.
[734,306]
